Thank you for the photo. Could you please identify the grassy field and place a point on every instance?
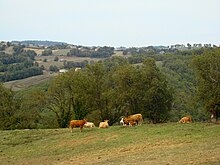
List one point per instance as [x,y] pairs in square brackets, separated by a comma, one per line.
[172,143]
[50,60]
[36,50]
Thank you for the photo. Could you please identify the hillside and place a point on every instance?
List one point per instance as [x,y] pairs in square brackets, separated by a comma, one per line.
[38,42]
[196,143]
[29,82]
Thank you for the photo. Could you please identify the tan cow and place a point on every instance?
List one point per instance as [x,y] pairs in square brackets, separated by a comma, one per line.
[77,123]
[132,120]
[104,124]
[186,119]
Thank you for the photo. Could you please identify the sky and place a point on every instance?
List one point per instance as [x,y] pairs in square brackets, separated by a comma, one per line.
[129,23]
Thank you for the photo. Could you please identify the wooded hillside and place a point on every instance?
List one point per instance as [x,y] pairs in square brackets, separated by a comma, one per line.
[162,86]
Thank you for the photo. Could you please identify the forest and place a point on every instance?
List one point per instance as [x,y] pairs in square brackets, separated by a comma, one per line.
[162,87]
[19,65]
[100,52]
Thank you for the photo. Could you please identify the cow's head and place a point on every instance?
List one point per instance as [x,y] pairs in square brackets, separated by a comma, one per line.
[106,121]
[122,121]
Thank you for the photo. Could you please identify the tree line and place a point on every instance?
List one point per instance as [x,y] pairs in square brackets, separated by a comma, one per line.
[21,64]
[99,93]
[101,52]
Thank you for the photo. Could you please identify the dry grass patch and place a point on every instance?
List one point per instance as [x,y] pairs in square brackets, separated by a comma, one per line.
[38,51]
[172,143]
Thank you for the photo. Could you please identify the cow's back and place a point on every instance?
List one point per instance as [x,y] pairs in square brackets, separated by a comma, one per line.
[186,119]
[135,118]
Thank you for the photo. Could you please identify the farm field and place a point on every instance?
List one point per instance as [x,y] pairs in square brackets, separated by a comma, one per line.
[57,52]
[50,60]
[170,143]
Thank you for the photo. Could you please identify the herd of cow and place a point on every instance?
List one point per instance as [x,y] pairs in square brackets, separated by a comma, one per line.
[131,120]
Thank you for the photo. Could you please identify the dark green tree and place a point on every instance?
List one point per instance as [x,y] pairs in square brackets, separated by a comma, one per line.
[56,58]
[157,95]
[207,68]
[53,68]
[33,103]
[47,52]
[8,108]
[59,101]
[143,90]
[69,98]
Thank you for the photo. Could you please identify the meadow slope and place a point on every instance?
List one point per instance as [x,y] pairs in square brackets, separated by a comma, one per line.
[171,143]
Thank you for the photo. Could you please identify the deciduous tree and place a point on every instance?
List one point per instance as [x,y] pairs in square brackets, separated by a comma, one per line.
[207,68]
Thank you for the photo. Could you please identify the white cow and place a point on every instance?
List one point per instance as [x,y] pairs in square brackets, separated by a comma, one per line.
[89,125]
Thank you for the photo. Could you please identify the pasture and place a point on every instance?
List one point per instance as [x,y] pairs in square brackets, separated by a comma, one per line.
[170,143]
[59,64]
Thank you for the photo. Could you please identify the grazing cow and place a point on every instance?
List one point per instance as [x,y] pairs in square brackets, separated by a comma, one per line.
[125,122]
[77,123]
[89,125]
[104,124]
[186,119]
[132,120]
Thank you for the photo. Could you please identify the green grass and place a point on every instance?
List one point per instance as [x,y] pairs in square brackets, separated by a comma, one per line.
[196,143]
[59,52]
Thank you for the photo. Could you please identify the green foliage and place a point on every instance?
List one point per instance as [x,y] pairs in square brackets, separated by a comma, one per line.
[18,49]
[207,67]
[72,64]
[162,87]
[143,90]
[25,109]
[20,74]
[2,47]
[111,92]
[56,58]
[38,42]
[47,52]
[60,101]
[101,52]
[32,103]
[53,68]
[66,97]
[18,66]
[8,108]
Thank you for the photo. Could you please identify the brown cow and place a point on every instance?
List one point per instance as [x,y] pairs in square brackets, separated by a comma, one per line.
[186,119]
[132,123]
[132,120]
[77,123]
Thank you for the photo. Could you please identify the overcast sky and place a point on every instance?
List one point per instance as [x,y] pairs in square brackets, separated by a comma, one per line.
[111,22]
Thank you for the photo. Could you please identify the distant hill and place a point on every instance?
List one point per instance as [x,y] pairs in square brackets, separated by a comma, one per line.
[160,47]
[39,43]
